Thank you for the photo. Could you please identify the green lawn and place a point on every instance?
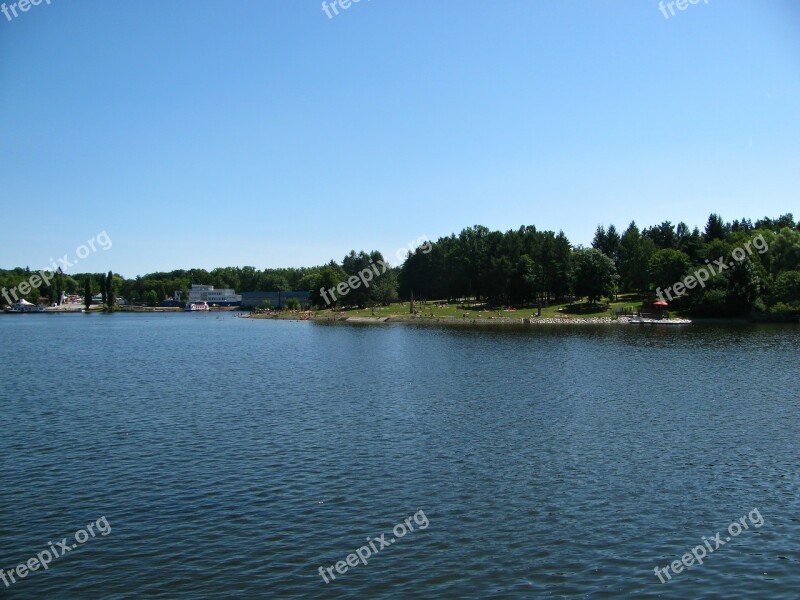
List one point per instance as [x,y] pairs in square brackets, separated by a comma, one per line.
[434,309]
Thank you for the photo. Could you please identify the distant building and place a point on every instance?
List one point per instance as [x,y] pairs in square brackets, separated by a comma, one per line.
[207,293]
[276,299]
[98,299]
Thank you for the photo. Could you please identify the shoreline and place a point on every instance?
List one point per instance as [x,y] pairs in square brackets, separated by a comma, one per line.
[507,321]
[477,321]
[497,321]
[409,320]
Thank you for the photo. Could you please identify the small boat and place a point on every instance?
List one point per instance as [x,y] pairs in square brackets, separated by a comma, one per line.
[196,306]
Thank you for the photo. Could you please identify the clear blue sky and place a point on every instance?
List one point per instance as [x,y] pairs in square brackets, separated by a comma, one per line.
[261,132]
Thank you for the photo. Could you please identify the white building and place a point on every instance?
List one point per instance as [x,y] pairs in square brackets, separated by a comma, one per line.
[207,293]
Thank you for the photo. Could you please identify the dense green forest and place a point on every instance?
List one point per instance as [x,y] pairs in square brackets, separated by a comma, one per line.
[525,266]
[519,267]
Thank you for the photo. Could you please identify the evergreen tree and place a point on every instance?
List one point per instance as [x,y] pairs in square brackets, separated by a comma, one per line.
[87,292]
[715,228]
[111,299]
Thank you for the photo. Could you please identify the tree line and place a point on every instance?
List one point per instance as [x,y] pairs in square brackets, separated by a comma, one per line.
[520,267]
[527,266]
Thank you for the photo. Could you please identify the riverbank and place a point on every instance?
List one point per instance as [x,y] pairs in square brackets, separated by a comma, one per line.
[419,320]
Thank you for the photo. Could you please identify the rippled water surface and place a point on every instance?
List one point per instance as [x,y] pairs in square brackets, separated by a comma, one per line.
[234,458]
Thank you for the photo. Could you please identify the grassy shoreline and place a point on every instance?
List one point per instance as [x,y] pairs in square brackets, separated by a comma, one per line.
[456,313]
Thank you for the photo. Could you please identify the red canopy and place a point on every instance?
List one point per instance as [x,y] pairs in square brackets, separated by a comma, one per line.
[660,303]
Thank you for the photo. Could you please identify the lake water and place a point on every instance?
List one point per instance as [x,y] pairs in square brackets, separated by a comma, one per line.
[234,458]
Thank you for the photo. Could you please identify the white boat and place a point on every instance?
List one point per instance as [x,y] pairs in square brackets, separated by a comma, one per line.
[196,306]
[23,306]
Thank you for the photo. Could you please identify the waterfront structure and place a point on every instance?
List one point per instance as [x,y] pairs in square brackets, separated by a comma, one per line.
[207,293]
[276,299]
